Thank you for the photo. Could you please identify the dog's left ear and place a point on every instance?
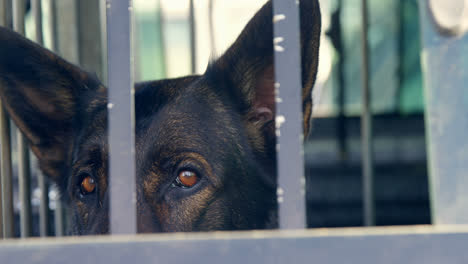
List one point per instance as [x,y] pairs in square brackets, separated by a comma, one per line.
[48,98]
[248,63]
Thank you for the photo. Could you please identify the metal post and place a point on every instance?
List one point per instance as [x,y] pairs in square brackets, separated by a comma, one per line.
[444,35]
[211,26]
[52,18]
[193,37]
[24,177]
[67,32]
[42,181]
[401,53]
[89,36]
[162,40]
[291,181]
[7,177]
[366,127]
[341,121]
[24,172]
[59,208]
[3,22]
[36,7]
[121,117]
[59,217]
[103,30]
[5,15]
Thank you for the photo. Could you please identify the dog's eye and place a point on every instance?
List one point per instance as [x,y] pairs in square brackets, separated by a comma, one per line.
[186,179]
[88,185]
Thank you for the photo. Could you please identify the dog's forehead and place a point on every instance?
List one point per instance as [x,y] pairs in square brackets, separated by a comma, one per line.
[195,118]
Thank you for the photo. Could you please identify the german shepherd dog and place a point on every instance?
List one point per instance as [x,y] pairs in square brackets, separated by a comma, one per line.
[205,144]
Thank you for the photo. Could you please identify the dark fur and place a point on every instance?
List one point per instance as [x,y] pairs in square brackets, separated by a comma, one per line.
[213,124]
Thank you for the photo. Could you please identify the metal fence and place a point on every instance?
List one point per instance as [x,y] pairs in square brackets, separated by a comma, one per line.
[422,244]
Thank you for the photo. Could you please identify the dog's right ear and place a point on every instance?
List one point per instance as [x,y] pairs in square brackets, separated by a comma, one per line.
[46,98]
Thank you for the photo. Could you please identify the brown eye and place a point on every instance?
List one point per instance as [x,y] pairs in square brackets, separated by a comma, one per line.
[88,185]
[187,179]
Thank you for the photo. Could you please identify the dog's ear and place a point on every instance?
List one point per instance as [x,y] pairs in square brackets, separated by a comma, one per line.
[248,63]
[44,95]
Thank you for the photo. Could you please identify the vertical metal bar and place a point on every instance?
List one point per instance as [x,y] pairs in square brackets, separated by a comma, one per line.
[7,214]
[19,9]
[102,17]
[44,204]
[162,38]
[121,117]
[444,52]
[291,181]
[3,117]
[36,7]
[52,18]
[66,16]
[24,175]
[211,26]
[7,177]
[4,12]
[401,53]
[341,127]
[366,127]
[59,214]
[193,37]
[6,170]
[89,36]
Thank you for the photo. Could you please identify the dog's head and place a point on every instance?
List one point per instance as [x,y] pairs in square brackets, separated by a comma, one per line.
[204,144]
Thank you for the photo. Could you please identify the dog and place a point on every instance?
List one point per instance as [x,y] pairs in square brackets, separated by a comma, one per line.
[205,144]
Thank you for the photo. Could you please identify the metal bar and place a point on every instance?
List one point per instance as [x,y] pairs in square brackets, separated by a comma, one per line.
[7,176]
[19,9]
[366,127]
[121,117]
[67,29]
[4,11]
[103,30]
[401,54]
[59,219]
[211,26]
[384,246]
[445,66]
[341,131]
[3,22]
[289,137]
[36,7]
[44,204]
[24,172]
[193,37]
[52,21]
[6,188]
[89,36]
[162,40]
[24,177]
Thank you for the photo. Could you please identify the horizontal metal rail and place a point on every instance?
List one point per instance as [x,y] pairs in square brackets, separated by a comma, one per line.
[424,244]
